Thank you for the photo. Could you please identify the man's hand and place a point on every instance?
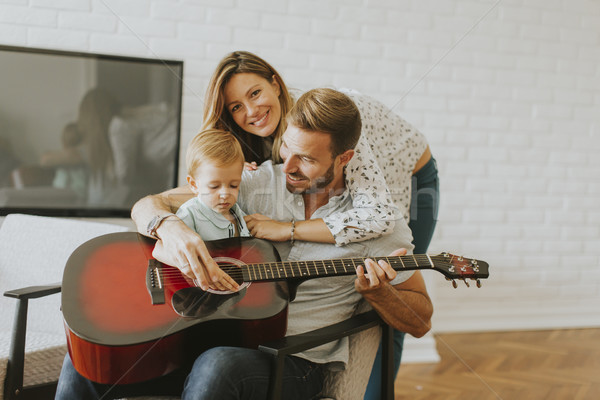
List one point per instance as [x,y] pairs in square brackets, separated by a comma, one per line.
[377,274]
[266,228]
[183,248]
[405,306]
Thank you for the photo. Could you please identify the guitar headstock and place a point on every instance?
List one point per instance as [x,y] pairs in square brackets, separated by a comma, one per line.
[462,268]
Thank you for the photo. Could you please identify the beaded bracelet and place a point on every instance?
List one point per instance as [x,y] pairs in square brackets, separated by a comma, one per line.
[293,229]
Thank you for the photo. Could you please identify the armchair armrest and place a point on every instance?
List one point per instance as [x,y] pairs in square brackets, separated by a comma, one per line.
[13,386]
[297,343]
[304,341]
[33,292]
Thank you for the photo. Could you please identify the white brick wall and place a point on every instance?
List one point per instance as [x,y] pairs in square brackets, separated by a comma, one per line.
[509,102]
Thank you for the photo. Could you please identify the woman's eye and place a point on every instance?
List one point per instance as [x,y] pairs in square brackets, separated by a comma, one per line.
[212,187]
[233,186]
[255,93]
[235,108]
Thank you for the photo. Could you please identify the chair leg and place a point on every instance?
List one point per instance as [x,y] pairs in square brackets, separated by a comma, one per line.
[13,384]
[276,381]
[387,361]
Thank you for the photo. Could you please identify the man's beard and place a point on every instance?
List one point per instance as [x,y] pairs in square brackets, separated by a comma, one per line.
[317,185]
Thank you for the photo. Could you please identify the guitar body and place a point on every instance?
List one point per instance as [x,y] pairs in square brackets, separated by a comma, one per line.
[115,334]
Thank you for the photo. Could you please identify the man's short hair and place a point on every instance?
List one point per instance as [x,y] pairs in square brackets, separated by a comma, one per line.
[213,145]
[328,111]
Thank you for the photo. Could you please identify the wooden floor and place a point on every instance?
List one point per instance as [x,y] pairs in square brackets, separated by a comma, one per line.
[548,365]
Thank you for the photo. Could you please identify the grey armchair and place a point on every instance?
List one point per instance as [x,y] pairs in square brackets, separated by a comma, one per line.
[32,373]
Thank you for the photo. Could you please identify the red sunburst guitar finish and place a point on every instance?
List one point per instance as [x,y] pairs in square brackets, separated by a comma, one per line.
[115,334]
[129,318]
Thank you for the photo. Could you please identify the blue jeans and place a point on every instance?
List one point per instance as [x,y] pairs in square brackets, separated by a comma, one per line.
[425,199]
[218,373]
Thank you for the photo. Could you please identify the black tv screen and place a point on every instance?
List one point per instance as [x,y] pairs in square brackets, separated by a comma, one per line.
[86,134]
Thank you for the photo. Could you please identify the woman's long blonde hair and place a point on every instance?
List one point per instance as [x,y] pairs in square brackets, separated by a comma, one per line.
[217,116]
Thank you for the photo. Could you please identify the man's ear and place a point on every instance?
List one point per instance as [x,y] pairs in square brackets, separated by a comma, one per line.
[193,185]
[345,157]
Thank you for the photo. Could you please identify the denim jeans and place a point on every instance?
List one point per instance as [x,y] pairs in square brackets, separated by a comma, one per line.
[219,373]
[425,199]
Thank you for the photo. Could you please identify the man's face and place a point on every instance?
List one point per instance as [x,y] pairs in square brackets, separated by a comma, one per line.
[308,162]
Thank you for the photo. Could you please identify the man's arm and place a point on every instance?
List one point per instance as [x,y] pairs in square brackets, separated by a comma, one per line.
[158,204]
[178,245]
[405,306]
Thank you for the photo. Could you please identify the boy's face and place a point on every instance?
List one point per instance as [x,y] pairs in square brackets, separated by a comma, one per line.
[217,187]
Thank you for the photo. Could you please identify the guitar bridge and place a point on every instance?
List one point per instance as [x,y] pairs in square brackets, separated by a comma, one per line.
[154,282]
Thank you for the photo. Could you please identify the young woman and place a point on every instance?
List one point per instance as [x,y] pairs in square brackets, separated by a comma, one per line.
[247,97]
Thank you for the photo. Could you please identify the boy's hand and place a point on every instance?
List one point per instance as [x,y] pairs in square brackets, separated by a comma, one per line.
[266,228]
[183,248]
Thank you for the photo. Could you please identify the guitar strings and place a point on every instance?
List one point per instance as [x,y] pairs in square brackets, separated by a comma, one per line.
[294,269]
[317,265]
[272,271]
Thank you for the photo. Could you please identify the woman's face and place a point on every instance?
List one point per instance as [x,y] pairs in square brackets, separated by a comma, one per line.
[253,103]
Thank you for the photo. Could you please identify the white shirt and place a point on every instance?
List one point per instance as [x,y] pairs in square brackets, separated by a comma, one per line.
[208,223]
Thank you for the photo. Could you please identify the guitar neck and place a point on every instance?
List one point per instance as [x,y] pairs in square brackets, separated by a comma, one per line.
[327,268]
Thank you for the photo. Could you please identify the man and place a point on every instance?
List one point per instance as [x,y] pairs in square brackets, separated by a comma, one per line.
[323,128]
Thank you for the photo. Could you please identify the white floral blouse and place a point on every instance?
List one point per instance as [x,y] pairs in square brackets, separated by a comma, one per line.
[389,144]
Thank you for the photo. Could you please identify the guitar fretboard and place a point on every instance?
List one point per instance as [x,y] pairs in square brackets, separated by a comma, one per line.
[323,268]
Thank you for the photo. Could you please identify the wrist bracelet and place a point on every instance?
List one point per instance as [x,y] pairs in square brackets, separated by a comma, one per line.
[293,229]
[155,224]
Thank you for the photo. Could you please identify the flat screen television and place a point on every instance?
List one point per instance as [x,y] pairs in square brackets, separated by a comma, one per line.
[86,134]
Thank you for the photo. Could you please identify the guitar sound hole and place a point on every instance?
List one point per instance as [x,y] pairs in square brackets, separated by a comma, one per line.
[227,264]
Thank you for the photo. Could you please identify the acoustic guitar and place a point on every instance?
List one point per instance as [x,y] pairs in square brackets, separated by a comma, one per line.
[129,318]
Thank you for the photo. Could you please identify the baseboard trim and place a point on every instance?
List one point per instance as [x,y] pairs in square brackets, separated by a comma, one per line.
[421,350]
[527,319]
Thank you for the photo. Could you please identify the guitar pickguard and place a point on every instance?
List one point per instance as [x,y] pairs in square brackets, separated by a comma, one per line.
[194,302]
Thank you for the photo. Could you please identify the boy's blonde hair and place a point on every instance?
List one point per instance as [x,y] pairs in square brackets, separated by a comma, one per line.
[214,145]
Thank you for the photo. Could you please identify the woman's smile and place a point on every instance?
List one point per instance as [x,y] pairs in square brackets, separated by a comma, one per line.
[262,121]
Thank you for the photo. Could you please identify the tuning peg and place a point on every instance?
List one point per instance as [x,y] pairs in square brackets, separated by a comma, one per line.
[454,284]
[466,283]
[478,283]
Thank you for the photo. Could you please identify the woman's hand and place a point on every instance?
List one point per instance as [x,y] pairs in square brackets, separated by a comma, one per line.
[250,166]
[183,248]
[265,228]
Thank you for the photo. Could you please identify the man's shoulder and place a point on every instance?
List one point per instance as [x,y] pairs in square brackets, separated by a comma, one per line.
[266,173]
[262,188]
